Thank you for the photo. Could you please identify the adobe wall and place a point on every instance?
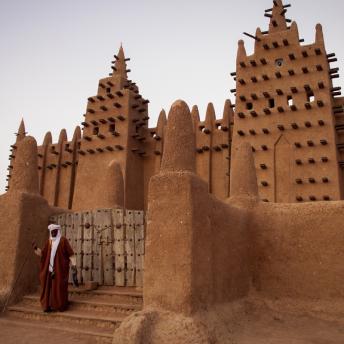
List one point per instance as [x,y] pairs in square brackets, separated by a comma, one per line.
[298,250]
[196,246]
[24,217]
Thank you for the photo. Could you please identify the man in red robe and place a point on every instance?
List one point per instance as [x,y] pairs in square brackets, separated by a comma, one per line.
[54,271]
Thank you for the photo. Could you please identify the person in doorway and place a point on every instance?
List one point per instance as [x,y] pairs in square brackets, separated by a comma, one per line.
[56,256]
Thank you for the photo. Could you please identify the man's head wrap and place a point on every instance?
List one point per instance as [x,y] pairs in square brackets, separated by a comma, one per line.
[55,243]
[53,227]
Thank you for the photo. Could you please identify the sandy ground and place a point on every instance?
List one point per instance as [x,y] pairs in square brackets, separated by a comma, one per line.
[244,322]
[270,329]
[14,334]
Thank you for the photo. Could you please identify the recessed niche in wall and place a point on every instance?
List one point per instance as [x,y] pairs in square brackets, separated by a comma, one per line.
[95,130]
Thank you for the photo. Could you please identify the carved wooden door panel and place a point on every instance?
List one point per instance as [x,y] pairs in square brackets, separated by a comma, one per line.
[108,244]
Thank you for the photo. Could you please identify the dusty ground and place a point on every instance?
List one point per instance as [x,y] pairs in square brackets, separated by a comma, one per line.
[26,334]
[246,322]
[270,328]
[258,321]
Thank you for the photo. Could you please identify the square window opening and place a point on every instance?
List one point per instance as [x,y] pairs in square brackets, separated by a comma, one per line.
[310,96]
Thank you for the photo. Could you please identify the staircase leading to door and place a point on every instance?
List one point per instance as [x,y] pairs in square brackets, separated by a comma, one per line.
[94,314]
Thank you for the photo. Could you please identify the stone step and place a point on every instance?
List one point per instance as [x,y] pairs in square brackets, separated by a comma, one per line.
[93,304]
[96,335]
[70,317]
[112,294]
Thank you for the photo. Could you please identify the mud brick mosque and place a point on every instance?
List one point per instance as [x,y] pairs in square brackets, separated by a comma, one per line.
[286,107]
[239,209]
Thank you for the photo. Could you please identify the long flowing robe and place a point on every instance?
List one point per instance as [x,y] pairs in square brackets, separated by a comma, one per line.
[54,292]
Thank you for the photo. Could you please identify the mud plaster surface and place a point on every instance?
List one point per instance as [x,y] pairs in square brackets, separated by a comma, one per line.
[251,321]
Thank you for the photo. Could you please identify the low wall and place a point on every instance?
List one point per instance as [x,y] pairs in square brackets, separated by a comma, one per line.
[196,247]
[298,249]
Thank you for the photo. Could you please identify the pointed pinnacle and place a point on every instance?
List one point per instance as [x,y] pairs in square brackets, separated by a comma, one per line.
[277,18]
[120,68]
[21,131]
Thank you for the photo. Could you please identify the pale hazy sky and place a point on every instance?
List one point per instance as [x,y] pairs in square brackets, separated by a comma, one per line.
[54,52]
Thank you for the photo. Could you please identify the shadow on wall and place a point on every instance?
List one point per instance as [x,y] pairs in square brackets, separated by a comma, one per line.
[24,217]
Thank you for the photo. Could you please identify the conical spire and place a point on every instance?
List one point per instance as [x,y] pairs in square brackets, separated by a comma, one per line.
[47,139]
[210,116]
[227,117]
[120,68]
[195,116]
[277,19]
[63,136]
[77,134]
[259,35]
[162,121]
[25,168]
[319,36]
[21,131]
[179,147]
[295,30]
[241,54]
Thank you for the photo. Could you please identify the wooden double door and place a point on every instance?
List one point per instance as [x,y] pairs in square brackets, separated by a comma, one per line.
[108,243]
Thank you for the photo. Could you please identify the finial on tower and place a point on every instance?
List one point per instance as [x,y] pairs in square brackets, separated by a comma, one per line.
[241,54]
[25,168]
[227,116]
[21,131]
[319,36]
[278,22]
[179,147]
[162,120]
[195,116]
[120,67]
[161,125]
[47,139]
[210,116]
[77,134]
[62,136]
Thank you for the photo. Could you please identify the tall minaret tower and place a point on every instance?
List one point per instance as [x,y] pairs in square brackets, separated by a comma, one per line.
[20,135]
[115,121]
[284,109]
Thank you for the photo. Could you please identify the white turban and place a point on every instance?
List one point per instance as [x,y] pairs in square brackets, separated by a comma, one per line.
[54,244]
